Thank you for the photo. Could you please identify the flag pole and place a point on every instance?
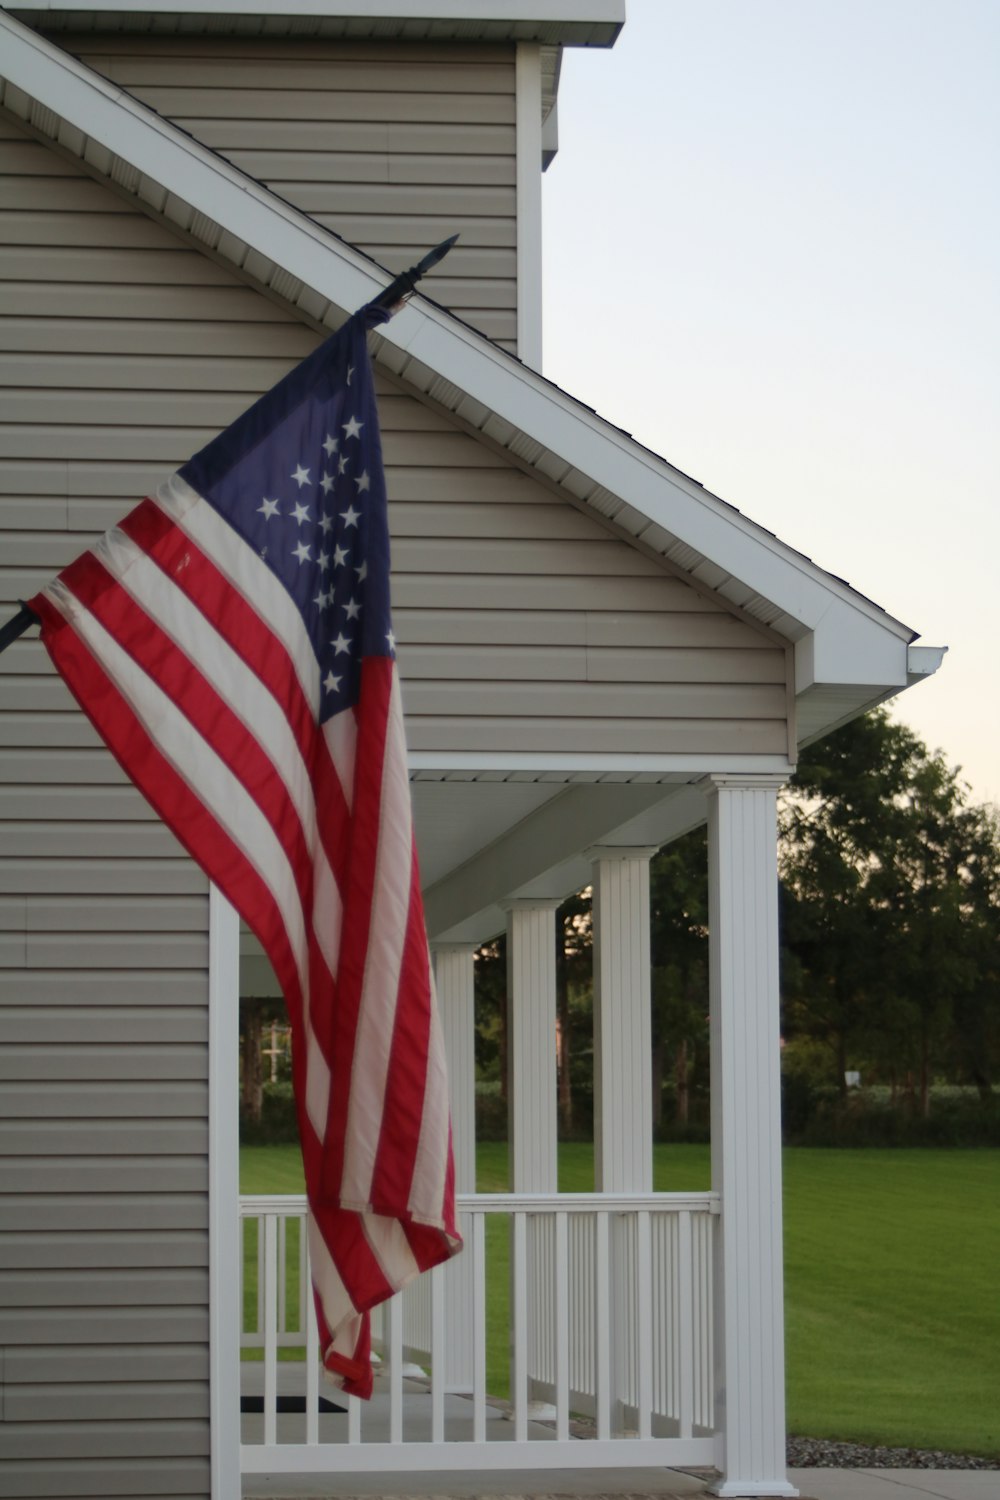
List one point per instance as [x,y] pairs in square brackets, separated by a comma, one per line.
[392,299]
[396,292]
[17,625]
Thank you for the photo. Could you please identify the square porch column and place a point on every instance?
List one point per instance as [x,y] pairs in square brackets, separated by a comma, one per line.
[623,1081]
[532,1131]
[531,1043]
[746,1135]
[454,980]
[623,1047]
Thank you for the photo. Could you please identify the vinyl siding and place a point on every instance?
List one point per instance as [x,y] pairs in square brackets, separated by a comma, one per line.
[393,146]
[525,625]
[103,918]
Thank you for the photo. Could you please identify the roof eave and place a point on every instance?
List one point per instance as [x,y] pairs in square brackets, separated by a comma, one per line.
[568,23]
[840,637]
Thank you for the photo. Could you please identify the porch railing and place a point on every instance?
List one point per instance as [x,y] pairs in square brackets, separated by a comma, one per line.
[604,1304]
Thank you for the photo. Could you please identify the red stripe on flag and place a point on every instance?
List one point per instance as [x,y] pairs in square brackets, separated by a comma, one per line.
[407,1077]
[187,816]
[372,713]
[243,629]
[179,678]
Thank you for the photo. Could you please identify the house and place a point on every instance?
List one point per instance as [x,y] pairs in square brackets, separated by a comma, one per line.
[597,654]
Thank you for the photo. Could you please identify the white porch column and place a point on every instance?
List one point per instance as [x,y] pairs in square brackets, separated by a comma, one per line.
[454,980]
[746,1136]
[531,1043]
[623,1063]
[531,1094]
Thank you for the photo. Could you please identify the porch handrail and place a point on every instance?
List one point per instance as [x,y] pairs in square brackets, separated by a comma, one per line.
[252,1204]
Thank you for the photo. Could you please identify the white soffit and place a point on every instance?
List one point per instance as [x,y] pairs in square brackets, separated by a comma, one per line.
[841,637]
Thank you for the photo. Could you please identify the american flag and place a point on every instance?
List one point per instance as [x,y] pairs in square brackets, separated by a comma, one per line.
[231,641]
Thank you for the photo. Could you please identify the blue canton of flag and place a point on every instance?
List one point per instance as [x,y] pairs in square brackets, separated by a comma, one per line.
[320,524]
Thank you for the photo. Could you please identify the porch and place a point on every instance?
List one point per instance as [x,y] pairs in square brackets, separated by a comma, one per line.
[617,1330]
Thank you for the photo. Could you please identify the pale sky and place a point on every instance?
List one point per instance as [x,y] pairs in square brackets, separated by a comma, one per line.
[772,252]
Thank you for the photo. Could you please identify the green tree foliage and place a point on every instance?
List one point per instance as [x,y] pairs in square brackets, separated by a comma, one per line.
[891,909]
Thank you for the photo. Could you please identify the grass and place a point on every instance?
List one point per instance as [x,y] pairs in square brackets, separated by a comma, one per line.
[892,1312]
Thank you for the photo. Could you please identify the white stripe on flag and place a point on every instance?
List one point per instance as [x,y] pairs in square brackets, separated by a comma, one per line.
[431,1161]
[383,959]
[343,1318]
[391,1249]
[234,682]
[341,735]
[234,558]
[198,764]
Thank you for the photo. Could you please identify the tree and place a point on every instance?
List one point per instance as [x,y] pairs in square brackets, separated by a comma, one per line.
[678,889]
[890,904]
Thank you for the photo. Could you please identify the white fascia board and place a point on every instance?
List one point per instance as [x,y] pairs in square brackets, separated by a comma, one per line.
[844,625]
[843,647]
[513,12]
[640,763]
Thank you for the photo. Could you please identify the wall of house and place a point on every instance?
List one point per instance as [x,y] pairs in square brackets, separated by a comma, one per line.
[525,625]
[393,146]
[120,349]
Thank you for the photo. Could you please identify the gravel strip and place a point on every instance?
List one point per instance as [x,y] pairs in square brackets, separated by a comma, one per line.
[823,1453]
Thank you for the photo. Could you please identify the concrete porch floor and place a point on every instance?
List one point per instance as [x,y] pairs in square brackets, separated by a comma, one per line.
[637,1484]
[633,1484]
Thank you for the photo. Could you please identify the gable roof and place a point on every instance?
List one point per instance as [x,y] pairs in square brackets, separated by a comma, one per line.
[848,652]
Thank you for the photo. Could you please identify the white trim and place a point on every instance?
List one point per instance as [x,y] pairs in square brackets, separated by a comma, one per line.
[528,112]
[526,760]
[251,1205]
[223,1195]
[511,13]
[325,1461]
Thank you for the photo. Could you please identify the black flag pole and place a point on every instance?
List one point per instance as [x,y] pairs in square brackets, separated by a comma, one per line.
[17,625]
[398,290]
[392,298]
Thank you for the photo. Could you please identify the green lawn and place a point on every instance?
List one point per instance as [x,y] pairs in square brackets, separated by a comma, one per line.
[892,1309]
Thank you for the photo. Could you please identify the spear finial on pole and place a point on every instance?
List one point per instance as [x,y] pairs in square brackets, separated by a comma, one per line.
[397,291]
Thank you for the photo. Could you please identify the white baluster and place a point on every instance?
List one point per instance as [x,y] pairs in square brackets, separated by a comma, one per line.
[270,1242]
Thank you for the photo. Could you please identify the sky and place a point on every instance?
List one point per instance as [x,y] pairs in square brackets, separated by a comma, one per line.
[772,253]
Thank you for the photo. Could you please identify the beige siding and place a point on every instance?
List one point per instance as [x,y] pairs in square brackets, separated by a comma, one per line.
[395,147]
[103,918]
[524,625]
